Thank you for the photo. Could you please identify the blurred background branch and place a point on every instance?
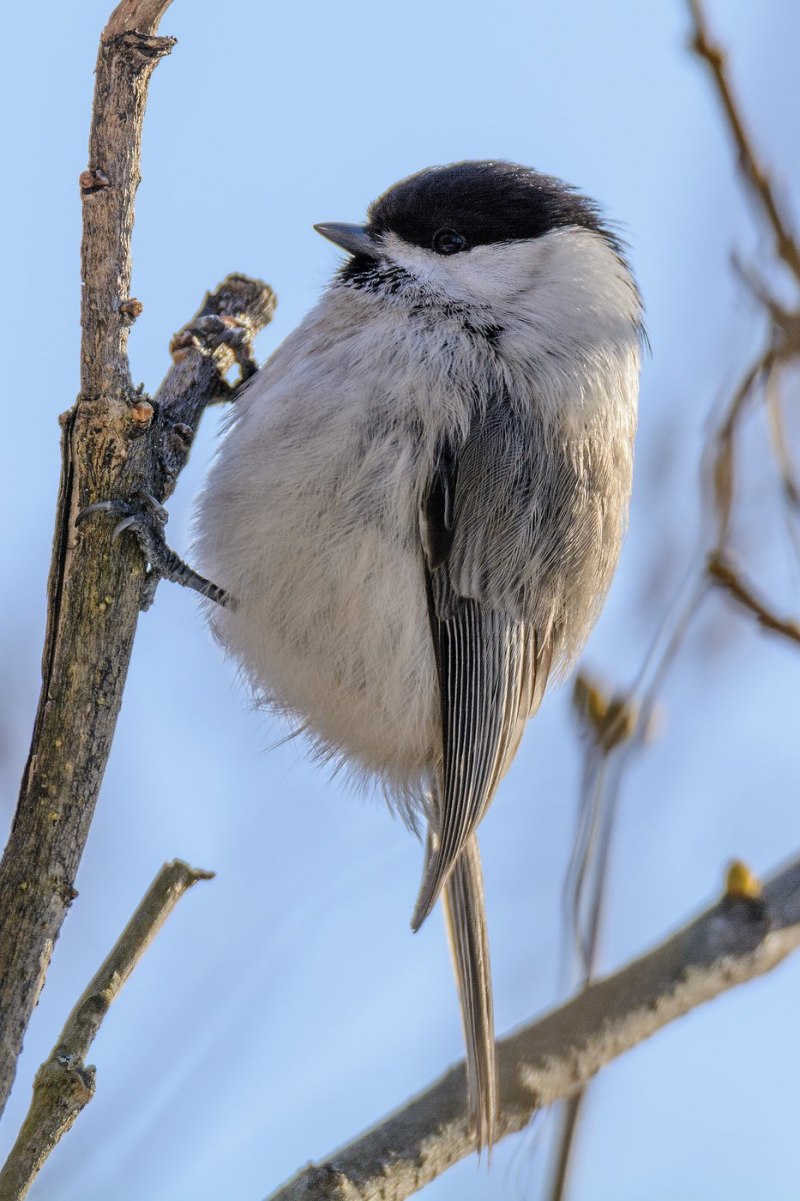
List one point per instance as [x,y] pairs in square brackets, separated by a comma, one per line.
[228,180]
[614,730]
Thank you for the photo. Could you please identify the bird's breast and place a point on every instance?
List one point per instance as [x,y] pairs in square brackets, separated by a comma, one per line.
[310,520]
[311,516]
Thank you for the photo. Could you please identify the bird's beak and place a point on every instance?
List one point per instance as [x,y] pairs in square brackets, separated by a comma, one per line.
[356,239]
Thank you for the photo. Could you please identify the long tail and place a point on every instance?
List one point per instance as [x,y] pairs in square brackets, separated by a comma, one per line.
[466,930]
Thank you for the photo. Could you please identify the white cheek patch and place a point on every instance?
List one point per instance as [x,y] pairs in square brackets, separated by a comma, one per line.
[570,268]
[426,266]
[483,274]
[567,292]
[497,272]
[492,273]
[565,302]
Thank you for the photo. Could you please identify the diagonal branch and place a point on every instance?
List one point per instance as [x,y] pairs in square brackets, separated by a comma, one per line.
[115,443]
[740,937]
[95,595]
[758,383]
[723,573]
[64,1084]
[757,178]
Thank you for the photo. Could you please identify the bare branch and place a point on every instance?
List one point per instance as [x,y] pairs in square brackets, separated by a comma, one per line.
[740,937]
[95,595]
[780,444]
[754,174]
[600,789]
[723,573]
[567,1142]
[125,61]
[115,443]
[143,16]
[93,599]
[64,1084]
[723,455]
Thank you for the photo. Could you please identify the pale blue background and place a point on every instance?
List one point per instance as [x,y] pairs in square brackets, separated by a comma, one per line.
[286,1005]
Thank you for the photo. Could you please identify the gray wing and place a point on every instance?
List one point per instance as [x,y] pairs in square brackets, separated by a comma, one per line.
[477,525]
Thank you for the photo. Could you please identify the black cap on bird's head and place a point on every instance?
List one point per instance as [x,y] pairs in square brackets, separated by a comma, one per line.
[453,208]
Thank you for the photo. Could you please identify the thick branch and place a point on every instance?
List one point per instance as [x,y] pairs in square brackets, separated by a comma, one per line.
[95,594]
[125,62]
[64,1084]
[142,16]
[93,598]
[114,444]
[737,939]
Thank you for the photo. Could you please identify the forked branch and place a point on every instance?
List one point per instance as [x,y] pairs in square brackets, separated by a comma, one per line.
[115,444]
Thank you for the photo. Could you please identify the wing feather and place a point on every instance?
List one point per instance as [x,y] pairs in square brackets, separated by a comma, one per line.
[492,667]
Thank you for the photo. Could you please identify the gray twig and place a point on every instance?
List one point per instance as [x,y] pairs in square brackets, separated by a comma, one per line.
[723,573]
[751,169]
[64,1084]
[721,468]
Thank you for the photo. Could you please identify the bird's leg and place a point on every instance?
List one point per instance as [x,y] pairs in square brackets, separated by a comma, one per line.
[146,518]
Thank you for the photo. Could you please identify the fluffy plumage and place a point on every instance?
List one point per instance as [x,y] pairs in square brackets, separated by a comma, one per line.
[420,502]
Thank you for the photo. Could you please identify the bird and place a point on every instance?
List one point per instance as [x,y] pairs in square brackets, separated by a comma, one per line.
[418,506]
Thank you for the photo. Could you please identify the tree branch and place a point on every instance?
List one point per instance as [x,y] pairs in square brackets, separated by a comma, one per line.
[756,177]
[723,573]
[125,61]
[143,16]
[115,443]
[721,453]
[720,466]
[64,1084]
[740,937]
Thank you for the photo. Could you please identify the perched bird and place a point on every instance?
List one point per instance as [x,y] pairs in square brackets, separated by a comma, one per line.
[419,505]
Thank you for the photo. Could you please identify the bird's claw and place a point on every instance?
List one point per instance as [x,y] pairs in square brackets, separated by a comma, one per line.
[140,506]
[145,517]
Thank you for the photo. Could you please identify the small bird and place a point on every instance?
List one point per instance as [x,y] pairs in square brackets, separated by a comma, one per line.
[419,505]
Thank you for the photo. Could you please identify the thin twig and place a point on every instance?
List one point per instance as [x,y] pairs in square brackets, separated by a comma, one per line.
[720,455]
[721,450]
[784,462]
[733,941]
[754,174]
[567,1142]
[64,1084]
[780,444]
[723,573]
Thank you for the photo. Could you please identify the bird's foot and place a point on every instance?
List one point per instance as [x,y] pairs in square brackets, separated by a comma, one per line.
[145,518]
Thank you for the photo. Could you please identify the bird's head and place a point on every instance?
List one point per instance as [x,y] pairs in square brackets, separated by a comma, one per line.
[484,233]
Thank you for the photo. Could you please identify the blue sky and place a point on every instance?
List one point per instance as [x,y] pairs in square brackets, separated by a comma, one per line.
[286,1006]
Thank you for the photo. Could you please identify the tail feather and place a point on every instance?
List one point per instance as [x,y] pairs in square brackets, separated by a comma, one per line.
[466,930]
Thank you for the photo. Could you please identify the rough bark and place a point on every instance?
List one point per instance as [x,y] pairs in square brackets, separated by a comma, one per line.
[737,939]
[114,444]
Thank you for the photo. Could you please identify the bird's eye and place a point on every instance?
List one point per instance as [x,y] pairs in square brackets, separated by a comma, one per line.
[447,241]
